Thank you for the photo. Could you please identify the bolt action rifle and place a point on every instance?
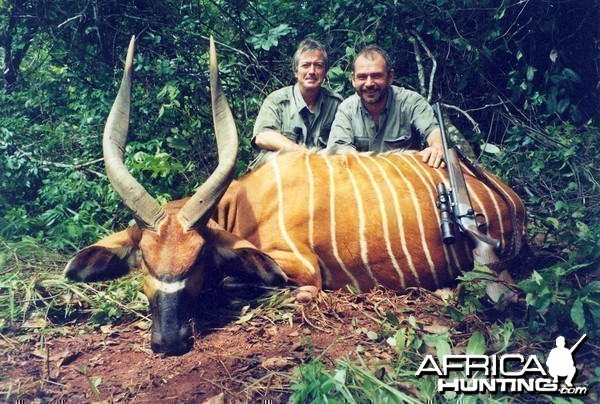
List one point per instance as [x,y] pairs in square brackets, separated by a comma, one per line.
[455,205]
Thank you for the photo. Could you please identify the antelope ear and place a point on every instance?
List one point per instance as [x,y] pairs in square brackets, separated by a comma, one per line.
[110,258]
[237,257]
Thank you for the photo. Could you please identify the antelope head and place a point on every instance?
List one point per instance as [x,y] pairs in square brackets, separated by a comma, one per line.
[180,246]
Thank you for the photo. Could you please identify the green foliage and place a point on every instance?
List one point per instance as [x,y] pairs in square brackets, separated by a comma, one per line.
[349,382]
[471,291]
[56,95]
[553,298]
[34,295]
[313,383]
[362,381]
[555,168]
[271,39]
[564,295]
[524,71]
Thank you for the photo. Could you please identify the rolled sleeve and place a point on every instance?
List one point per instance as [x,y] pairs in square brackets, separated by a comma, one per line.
[423,118]
[269,118]
[341,135]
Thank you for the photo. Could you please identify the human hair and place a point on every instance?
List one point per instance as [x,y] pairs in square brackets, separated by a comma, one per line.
[370,51]
[307,45]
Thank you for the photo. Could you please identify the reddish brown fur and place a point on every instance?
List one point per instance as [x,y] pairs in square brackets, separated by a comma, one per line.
[380,226]
[250,210]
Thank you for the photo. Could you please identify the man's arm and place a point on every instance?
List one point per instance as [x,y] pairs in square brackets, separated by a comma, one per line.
[269,123]
[341,137]
[423,119]
[273,140]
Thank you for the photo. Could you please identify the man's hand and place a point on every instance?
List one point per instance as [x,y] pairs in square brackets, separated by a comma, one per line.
[433,157]
[434,154]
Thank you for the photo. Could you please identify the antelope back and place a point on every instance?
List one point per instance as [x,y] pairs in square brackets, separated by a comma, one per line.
[361,219]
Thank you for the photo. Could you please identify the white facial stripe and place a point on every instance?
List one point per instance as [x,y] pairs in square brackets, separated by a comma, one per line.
[168,287]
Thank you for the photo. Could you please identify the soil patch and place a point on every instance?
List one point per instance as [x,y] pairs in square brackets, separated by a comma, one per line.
[252,358]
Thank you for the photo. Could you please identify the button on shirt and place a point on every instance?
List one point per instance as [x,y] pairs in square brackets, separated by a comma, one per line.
[404,111]
[285,111]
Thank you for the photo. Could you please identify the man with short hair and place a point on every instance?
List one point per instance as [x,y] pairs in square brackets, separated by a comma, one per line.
[381,116]
[301,115]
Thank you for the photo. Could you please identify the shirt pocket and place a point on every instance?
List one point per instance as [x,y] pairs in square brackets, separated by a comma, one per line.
[323,136]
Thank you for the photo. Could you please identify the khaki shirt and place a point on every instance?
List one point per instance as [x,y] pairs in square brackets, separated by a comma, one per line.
[405,122]
[285,111]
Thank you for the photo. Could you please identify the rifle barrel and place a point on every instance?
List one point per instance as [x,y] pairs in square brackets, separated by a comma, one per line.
[437,109]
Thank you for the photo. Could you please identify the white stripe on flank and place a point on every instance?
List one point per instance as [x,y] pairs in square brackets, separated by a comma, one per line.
[334,245]
[311,203]
[281,218]
[384,221]
[508,196]
[401,229]
[495,197]
[433,197]
[513,202]
[362,224]
[476,201]
[325,273]
[167,287]
[417,207]
[323,269]
[384,174]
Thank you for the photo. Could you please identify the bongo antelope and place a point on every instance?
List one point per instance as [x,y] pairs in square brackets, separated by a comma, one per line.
[304,218]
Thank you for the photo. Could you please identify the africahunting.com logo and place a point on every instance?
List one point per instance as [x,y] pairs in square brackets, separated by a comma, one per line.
[508,373]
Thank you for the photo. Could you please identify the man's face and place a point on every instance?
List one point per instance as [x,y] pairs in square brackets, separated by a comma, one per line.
[371,79]
[311,70]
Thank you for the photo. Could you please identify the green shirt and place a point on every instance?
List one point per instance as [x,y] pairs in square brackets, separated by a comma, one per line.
[404,111]
[285,111]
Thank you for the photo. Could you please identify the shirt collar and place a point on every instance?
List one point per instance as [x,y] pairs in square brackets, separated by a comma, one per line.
[301,104]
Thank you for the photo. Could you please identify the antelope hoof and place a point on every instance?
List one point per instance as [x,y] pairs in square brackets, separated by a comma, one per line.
[307,293]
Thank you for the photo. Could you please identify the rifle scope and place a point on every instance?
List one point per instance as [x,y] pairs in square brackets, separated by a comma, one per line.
[447,223]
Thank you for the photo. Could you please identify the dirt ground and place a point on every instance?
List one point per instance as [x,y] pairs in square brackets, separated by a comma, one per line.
[251,355]
[248,360]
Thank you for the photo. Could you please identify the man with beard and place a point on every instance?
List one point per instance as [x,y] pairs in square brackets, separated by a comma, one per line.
[380,116]
[301,115]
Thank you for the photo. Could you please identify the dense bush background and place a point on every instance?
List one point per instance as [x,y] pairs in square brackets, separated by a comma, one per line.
[520,79]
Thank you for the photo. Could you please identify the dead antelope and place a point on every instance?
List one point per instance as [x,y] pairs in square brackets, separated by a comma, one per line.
[303,218]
